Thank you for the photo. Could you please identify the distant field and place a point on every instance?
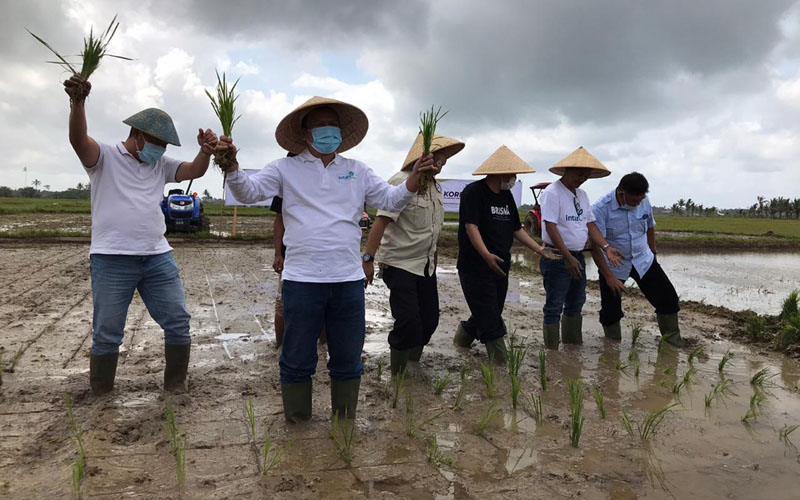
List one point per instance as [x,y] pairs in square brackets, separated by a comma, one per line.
[729,225]
[10,206]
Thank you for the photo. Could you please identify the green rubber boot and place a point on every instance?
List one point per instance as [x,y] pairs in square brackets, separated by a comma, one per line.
[344,397]
[463,337]
[177,358]
[670,330]
[296,401]
[496,350]
[398,360]
[102,370]
[415,353]
[613,332]
[571,327]
[551,335]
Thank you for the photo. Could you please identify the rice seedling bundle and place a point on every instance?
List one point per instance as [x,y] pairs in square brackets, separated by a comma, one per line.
[696,353]
[462,388]
[399,382]
[224,105]
[535,407]
[440,384]
[598,398]
[489,376]
[784,433]
[651,422]
[94,50]
[429,119]
[487,417]
[435,455]
[726,358]
[342,434]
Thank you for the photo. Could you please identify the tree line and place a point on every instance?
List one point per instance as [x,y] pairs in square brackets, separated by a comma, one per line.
[774,208]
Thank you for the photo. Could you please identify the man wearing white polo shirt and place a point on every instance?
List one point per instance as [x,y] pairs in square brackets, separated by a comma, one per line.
[323,279]
[569,224]
[128,250]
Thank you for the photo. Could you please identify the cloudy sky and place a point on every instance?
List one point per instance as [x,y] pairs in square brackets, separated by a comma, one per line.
[701,97]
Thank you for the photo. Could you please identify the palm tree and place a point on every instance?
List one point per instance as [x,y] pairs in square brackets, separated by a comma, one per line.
[760,205]
[796,204]
[36,183]
[681,204]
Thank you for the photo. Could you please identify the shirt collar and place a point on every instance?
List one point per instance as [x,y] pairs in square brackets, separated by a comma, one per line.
[307,157]
[614,203]
[123,150]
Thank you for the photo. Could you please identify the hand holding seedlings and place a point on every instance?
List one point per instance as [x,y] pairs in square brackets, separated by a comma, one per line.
[226,144]
[72,86]
[207,140]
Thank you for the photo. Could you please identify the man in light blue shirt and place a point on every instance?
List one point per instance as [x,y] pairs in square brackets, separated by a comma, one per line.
[625,218]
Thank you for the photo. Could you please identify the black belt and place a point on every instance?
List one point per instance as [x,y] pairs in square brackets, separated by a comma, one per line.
[556,250]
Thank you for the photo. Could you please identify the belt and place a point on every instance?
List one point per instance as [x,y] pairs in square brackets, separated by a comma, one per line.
[557,251]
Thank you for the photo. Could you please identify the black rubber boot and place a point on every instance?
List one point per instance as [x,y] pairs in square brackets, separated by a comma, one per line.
[551,335]
[177,358]
[415,353]
[496,350]
[571,327]
[296,401]
[398,360]
[462,337]
[344,397]
[613,332]
[669,328]
[102,370]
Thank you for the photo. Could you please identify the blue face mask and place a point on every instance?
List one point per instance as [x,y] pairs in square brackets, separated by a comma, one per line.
[326,139]
[624,205]
[151,153]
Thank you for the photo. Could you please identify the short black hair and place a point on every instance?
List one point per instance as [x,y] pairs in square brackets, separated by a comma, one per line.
[634,183]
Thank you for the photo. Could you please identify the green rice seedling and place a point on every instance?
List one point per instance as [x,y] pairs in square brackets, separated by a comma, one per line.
[543,369]
[412,427]
[462,373]
[170,427]
[94,50]
[77,477]
[598,398]
[668,370]
[224,105]
[651,422]
[790,334]
[177,443]
[633,356]
[783,434]
[487,417]
[380,369]
[761,377]
[441,383]
[516,355]
[664,340]
[11,367]
[515,390]
[790,305]
[429,119]
[696,353]
[251,417]
[756,328]
[636,371]
[636,332]
[75,429]
[399,383]
[687,377]
[677,386]
[575,389]
[717,392]
[623,366]
[269,462]
[180,460]
[755,408]
[534,407]
[726,358]
[342,434]
[626,422]
[435,454]
[489,377]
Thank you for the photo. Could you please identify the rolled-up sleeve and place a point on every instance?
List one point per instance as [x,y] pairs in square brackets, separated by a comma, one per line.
[259,186]
[382,195]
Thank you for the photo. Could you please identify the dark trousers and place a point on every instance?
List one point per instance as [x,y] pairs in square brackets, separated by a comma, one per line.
[656,287]
[485,294]
[563,295]
[415,307]
[307,308]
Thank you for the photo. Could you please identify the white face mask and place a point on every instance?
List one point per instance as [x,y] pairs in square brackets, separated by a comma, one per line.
[507,186]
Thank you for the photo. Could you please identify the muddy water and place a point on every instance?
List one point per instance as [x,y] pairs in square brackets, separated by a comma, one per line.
[695,453]
[736,280]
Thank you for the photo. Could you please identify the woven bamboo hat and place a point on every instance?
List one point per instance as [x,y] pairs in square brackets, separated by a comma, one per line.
[504,162]
[444,145]
[352,121]
[156,123]
[580,158]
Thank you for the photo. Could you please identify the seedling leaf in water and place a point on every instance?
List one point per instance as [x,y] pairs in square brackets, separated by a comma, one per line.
[251,418]
[651,422]
[342,434]
[761,377]
[516,355]
[636,331]
[489,376]
[696,353]
[515,390]
[535,407]
[177,443]
[543,369]
[787,429]
[598,398]
[626,422]
[267,462]
[726,358]
[717,392]
[435,455]
[575,388]
[487,417]
[462,373]
[380,369]
[441,383]
[399,382]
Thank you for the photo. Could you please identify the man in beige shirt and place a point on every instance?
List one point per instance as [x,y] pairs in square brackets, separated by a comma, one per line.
[408,257]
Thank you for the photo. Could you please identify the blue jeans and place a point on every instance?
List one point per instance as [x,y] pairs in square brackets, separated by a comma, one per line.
[307,307]
[114,279]
[563,294]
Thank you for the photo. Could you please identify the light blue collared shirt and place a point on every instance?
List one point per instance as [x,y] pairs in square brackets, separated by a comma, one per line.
[626,230]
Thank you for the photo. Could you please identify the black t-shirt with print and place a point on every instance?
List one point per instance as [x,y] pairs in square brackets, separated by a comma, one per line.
[496,217]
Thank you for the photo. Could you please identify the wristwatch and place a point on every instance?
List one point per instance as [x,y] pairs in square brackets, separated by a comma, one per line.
[605,246]
[367,257]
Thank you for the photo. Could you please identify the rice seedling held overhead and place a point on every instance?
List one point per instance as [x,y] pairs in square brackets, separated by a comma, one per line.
[224,105]
[429,119]
[94,50]
[575,388]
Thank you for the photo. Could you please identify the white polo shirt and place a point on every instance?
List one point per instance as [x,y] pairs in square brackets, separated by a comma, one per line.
[570,212]
[126,197]
[321,210]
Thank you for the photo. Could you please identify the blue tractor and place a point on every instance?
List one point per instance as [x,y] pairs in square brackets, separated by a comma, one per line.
[184,212]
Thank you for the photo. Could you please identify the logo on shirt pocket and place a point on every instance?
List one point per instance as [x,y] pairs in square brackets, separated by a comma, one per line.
[350,176]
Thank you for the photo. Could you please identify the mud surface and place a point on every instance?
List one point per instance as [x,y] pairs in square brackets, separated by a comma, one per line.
[697,452]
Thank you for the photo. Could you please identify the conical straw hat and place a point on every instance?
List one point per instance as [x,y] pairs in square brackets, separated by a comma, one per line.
[580,158]
[352,121]
[504,161]
[444,145]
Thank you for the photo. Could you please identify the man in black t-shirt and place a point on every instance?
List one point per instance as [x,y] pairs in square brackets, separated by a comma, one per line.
[488,223]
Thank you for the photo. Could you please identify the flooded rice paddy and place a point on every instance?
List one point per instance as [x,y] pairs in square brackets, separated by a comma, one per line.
[484,449]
